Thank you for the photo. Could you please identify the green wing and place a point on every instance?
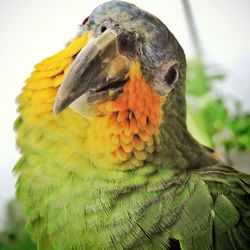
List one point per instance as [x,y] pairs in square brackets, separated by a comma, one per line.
[231,213]
[217,213]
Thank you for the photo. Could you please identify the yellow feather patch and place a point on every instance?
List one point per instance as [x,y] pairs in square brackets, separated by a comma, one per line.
[122,134]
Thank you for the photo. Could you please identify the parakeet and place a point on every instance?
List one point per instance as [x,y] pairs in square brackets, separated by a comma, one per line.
[107,160]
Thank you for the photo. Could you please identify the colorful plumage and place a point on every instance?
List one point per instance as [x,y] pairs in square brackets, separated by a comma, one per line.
[107,161]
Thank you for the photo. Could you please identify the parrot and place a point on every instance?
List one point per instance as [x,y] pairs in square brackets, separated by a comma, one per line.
[107,161]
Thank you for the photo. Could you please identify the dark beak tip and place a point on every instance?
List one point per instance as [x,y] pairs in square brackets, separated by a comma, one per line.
[58,106]
[56,110]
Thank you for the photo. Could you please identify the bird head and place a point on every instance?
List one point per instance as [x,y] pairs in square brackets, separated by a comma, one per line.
[126,80]
[125,40]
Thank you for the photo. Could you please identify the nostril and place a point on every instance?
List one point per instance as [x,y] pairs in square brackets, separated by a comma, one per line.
[103,28]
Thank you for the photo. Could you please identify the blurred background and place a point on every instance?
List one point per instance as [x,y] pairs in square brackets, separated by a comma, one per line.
[215,36]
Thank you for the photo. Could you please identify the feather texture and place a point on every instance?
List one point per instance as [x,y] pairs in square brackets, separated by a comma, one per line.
[74,201]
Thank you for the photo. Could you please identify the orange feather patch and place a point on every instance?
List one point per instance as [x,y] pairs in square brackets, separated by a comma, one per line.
[124,128]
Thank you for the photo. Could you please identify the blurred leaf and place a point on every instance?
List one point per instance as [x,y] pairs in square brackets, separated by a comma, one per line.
[208,116]
[197,80]
[14,236]
[240,128]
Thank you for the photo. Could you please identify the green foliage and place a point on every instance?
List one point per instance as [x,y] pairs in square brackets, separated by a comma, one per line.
[209,118]
[240,125]
[199,80]
[195,75]
[14,236]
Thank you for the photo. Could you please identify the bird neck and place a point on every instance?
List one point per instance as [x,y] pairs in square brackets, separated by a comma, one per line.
[176,147]
[141,126]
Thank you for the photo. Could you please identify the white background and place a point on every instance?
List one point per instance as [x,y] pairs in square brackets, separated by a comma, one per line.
[31,30]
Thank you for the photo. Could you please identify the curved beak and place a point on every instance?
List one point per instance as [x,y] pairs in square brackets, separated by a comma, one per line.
[97,70]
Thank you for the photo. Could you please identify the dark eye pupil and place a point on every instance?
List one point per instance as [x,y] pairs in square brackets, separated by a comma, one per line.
[124,41]
[127,42]
[171,75]
[103,28]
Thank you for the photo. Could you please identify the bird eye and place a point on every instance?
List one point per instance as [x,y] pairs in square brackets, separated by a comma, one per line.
[127,41]
[124,41]
[172,75]
[103,28]
[85,20]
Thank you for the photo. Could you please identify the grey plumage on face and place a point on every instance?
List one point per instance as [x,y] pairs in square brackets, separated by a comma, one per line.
[142,37]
